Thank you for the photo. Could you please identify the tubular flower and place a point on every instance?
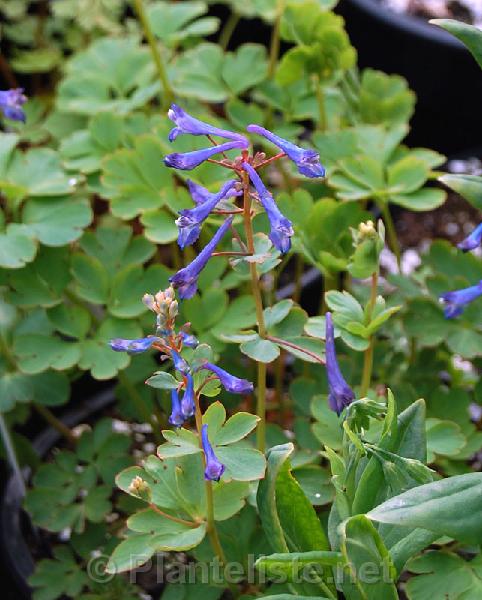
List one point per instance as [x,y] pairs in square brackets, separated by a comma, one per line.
[214,468]
[179,363]
[189,340]
[190,160]
[188,407]
[187,124]
[340,393]
[455,301]
[176,418]
[307,161]
[132,346]
[191,220]
[472,241]
[185,280]
[281,227]
[11,102]
[231,383]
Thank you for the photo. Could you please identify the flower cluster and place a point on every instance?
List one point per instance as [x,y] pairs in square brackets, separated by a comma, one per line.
[455,301]
[191,220]
[11,102]
[170,344]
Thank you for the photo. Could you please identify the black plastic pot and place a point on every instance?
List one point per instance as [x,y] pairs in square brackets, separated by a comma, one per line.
[443,74]
[16,531]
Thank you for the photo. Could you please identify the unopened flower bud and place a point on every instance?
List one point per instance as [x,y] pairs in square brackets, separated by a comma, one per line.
[173,309]
[366,230]
[140,488]
[149,301]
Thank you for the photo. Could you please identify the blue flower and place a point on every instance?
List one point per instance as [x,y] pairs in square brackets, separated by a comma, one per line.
[281,227]
[191,220]
[232,384]
[307,161]
[185,280]
[188,407]
[200,194]
[472,241]
[179,363]
[190,160]
[11,102]
[176,418]
[188,339]
[132,346]
[456,300]
[214,468]
[340,393]
[187,124]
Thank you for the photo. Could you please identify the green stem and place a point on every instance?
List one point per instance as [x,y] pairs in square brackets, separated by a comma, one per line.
[11,454]
[391,232]
[368,357]
[329,283]
[261,398]
[275,38]
[161,71]
[299,268]
[57,424]
[320,98]
[228,30]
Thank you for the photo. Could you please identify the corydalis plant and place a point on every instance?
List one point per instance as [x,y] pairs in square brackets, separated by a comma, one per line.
[253,194]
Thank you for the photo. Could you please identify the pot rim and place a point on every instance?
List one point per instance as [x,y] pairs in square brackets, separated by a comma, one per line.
[14,548]
[408,23]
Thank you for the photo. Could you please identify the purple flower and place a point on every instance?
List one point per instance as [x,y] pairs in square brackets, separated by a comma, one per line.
[132,346]
[472,241]
[11,102]
[456,300]
[179,363]
[307,161]
[191,220]
[176,418]
[200,194]
[281,227]
[232,384]
[188,339]
[187,124]
[340,393]
[190,160]
[214,468]
[188,407]
[185,280]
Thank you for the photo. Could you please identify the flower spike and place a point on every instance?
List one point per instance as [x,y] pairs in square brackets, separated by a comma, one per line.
[307,161]
[456,300]
[191,220]
[176,418]
[472,241]
[190,160]
[11,102]
[231,383]
[281,227]
[340,393]
[188,407]
[187,124]
[214,468]
[186,279]
[132,346]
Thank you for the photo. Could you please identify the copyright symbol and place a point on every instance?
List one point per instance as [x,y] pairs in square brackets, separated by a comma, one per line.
[96,569]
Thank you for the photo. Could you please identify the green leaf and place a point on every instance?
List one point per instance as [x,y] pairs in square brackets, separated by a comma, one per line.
[73,321]
[275,314]
[56,222]
[17,248]
[160,227]
[442,574]
[469,35]
[235,429]
[260,350]
[136,180]
[36,353]
[443,437]
[384,98]
[292,563]
[174,22]
[421,200]
[468,186]
[450,507]
[163,381]
[245,68]
[361,545]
